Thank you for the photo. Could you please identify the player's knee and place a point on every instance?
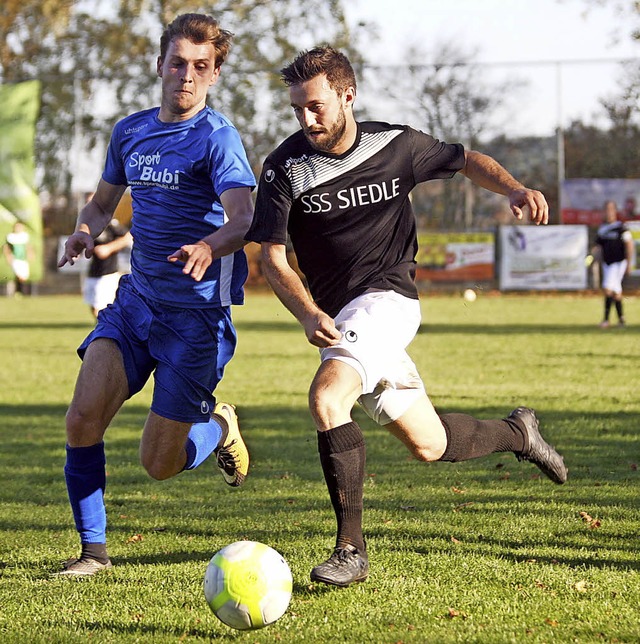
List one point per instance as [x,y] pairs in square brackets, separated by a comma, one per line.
[427,454]
[157,471]
[327,405]
[83,428]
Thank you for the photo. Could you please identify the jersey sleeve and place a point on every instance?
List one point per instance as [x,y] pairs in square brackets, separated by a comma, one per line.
[229,165]
[434,159]
[114,172]
[273,204]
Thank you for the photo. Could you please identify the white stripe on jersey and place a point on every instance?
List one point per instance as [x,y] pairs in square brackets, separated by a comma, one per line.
[226,275]
[318,169]
[226,272]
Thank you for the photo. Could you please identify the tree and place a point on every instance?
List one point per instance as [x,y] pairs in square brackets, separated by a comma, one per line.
[629,11]
[448,99]
[96,62]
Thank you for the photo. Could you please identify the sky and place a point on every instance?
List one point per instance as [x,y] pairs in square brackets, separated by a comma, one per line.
[565,51]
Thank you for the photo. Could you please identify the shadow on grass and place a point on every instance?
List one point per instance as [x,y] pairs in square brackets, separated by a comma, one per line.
[526,329]
[286,486]
[48,325]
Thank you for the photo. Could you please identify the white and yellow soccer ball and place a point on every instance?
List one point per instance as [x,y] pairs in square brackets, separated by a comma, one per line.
[248,585]
[469,295]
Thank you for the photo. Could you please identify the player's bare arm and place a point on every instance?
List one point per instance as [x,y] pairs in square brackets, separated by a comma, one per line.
[106,250]
[92,220]
[319,327]
[487,173]
[628,250]
[229,238]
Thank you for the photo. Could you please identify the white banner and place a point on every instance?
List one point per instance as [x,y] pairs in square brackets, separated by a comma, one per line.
[543,257]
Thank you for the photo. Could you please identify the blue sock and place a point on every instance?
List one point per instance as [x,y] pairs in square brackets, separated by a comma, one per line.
[203,438]
[85,474]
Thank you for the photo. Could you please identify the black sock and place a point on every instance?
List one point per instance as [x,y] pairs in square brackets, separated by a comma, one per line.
[619,309]
[97,551]
[468,437]
[608,301]
[342,456]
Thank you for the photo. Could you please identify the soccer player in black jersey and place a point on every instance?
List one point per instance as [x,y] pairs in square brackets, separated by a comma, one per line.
[614,246]
[340,190]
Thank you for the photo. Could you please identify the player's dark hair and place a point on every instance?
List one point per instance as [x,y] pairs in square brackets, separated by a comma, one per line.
[199,29]
[321,60]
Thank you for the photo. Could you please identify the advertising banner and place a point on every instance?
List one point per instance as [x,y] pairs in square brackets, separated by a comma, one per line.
[634,227]
[583,199]
[455,257]
[20,212]
[543,257]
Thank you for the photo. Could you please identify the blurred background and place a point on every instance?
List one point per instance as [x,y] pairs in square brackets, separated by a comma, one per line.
[549,88]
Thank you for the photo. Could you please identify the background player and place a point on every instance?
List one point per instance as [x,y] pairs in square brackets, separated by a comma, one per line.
[191,191]
[340,189]
[103,275]
[614,247]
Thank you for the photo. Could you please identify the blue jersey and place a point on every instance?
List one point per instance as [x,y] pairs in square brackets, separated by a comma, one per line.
[177,172]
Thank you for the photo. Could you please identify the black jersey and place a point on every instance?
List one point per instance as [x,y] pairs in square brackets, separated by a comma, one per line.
[610,238]
[349,216]
[100,267]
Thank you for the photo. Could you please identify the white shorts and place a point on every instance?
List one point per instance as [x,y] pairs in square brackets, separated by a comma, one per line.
[612,276]
[99,292]
[20,269]
[377,327]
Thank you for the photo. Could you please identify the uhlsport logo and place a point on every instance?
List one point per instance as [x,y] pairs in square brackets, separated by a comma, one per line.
[351,336]
[204,407]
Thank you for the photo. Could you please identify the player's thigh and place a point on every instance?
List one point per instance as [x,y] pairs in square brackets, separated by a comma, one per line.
[191,349]
[101,388]
[421,430]
[162,446]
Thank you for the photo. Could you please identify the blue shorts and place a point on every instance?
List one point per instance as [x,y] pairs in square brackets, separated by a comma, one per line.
[186,350]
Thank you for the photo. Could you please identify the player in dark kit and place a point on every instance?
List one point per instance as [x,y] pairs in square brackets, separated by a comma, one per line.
[340,189]
[614,245]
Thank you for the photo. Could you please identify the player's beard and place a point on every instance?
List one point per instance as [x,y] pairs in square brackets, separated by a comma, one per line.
[330,139]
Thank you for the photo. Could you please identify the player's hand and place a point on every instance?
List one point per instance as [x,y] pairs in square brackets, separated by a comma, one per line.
[73,247]
[533,200]
[321,331]
[196,257]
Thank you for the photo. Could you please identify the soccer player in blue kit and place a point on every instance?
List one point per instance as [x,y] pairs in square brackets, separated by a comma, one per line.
[191,189]
[340,190]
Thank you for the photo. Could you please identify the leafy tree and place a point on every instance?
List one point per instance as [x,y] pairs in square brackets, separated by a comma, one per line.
[447,99]
[96,61]
[629,12]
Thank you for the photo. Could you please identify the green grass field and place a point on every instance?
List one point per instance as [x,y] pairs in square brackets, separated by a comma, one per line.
[483,551]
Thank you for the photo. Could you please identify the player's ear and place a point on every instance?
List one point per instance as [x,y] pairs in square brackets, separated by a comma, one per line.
[214,77]
[159,66]
[349,96]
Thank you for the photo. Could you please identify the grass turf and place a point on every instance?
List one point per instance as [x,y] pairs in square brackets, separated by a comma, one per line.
[482,551]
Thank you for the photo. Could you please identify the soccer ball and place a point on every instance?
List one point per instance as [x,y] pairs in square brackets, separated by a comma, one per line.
[469,295]
[248,585]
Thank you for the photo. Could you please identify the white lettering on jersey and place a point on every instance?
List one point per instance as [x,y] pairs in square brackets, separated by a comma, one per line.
[137,160]
[316,203]
[369,194]
[150,173]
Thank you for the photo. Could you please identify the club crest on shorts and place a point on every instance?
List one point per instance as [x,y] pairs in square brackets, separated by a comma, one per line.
[204,407]
[351,336]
